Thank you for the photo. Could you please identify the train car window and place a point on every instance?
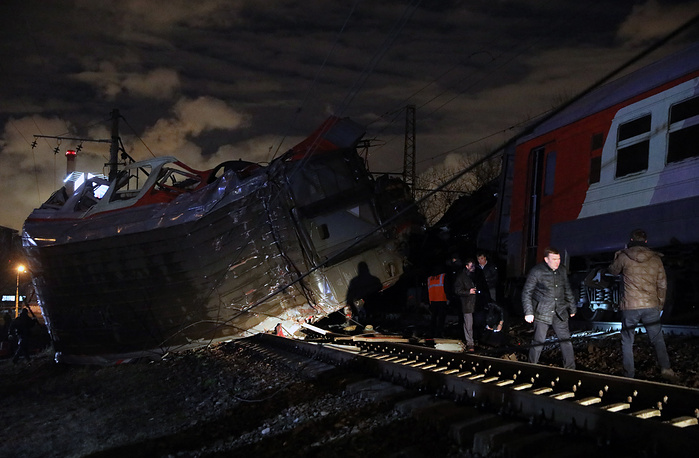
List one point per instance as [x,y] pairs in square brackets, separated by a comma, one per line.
[684,110]
[129,183]
[595,169]
[632,159]
[683,141]
[174,177]
[550,178]
[633,145]
[634,128]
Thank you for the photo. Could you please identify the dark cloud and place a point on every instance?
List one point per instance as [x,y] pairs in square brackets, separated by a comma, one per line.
[217,79]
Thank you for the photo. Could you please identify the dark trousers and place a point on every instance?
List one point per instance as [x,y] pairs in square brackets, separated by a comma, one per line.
[438,311]
[651,321]
[560,327]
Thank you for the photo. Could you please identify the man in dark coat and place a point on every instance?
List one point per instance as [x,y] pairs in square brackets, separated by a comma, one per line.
[465,288]
[360,290]
[645,285]
[490,274]
[547,300]
[21,327]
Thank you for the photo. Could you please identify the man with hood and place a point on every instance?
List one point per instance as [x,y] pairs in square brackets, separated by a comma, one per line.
[643,299]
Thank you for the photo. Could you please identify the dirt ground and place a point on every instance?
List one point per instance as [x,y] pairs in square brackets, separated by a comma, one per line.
[54,410]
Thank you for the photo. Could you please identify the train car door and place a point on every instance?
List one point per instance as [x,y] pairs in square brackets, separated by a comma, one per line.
[540,189]
[535,174]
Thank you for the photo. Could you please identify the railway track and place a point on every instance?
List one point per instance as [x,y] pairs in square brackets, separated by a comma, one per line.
[520,406]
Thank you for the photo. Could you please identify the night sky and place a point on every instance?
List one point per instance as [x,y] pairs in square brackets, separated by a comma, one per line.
[214,80]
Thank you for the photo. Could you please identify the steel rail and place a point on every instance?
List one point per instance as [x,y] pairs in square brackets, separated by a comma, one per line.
[647,415]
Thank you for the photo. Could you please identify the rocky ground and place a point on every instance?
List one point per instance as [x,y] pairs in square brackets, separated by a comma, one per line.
[52,410]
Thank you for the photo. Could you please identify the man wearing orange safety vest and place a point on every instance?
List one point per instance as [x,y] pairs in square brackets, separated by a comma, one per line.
[438,304]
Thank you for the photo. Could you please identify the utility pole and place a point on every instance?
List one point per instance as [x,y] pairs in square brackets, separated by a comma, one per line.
[114,147]
[409,151]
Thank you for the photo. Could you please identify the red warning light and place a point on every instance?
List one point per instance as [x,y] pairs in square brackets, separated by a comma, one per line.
[71,152]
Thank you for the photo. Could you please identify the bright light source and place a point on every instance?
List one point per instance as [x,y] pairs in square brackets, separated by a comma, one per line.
[74,177]
[79,180]
[71,152]
[101,190]
[20,269]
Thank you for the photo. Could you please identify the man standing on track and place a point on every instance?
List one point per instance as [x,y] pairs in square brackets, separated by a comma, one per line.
[547,300]
[465,288]
[645,286]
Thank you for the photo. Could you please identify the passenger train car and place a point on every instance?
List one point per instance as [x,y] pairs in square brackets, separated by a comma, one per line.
[624,156]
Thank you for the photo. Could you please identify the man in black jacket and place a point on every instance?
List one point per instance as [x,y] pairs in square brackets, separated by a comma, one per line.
[465,288]
[547,300]
[21,327]
[490,274]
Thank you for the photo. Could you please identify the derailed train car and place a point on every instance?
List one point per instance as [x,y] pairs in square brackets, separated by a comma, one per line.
[165,256]
[622,157]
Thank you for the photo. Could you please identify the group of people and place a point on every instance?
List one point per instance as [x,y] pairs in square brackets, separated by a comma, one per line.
[548,302]
[473,288]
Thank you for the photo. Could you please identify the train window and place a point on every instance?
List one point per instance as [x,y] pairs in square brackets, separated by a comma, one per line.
[596,142]
[684,110]
[595,169]
[684,131]
[632,159]
[633,145]
[130,182]
[634,128]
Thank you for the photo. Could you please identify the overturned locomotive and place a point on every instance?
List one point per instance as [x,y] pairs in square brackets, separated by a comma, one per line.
[163,256]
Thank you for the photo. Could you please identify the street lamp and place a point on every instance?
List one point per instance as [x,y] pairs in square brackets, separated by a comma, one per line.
[20,269]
